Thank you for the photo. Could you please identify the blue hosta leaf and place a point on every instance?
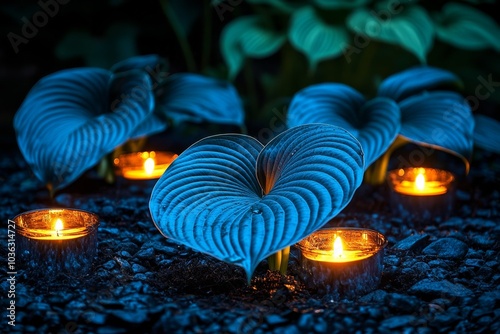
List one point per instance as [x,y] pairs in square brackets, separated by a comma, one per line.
[487,133]
[467,27]
[246,37]
[196,98]
[374,123]
[72,118]
[211,200]
[412,29]
[416,80]
[155,67]
[440,119]
[316,39]
[152,63]
[339,4]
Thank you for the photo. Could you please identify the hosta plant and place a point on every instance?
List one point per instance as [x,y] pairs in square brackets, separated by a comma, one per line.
[239,201]
[410,106]
[70,120]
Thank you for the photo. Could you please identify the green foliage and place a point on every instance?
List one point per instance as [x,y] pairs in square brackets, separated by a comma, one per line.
[467,28]
[248,37]
[411,28]
[332,27]
[317,40]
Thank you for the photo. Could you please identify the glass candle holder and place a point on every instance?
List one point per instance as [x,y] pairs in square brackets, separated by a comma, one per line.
[51,242]
[343,262]
[143,165]
[421,194]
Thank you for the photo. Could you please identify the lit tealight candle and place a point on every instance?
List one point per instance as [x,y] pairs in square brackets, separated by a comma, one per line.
[56,241]
[144,165]
[58,227]
[421,181]
[421,194]
[344,260]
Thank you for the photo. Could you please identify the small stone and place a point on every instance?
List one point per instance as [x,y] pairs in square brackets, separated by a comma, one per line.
[107,210]
[392,260]
[140,277]
[320,326]
[438,273]
[306,321]
[38,307]
[435,289]
[453,223]
[109,264]
[475,254]
[98,319]
[484,321]
[124,254]
[164,249]
[274,319]
[492,264]
[399,302]
[377,296]
[444,320]
[412,243]
[137,268]
[480,223]
[483,241]
[129,317]
[124,264]
[474,263]
[447,248]
[238,324]
[128,246]
[146,254]
[398,321]
[420,268]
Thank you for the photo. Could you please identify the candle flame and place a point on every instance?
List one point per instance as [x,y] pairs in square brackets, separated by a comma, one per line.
[59,226]
[420,182]
[149,165]
[338,249]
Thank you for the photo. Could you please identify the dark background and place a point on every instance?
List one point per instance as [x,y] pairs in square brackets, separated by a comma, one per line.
[100,33]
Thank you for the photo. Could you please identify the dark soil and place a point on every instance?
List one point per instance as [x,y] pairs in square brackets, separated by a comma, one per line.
[439,275]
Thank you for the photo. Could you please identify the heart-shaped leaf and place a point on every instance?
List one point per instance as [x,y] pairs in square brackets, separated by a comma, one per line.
[442,119]
[72,118]
[247,37]
[316,39]
[411,28]
[196,98]
[211,197]
[374,123]
[487,133]
[466,27]
[416,80]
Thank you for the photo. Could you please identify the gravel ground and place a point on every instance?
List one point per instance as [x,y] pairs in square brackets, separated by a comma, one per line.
[439,276]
